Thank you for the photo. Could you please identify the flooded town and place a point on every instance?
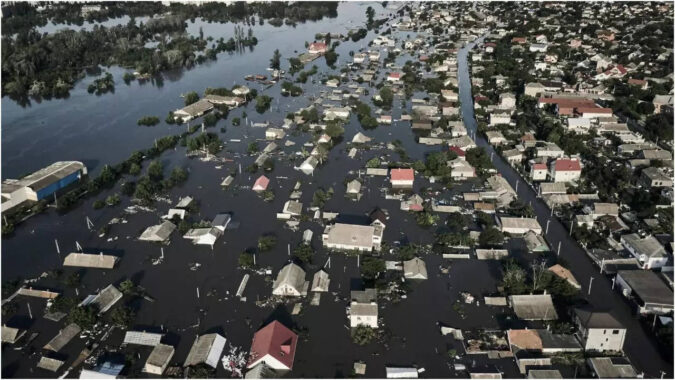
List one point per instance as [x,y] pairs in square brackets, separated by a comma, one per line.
[206,189]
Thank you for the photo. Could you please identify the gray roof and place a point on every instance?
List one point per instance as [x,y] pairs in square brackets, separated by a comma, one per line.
[647,286]
[415,268]
[11,334]
[291,275]
[203,347]
[363,309]
[197,108]
[49,364]
[221,220]
[597,319]
[558,341]
[648,245]
[544,374]
[612,368]
[63,337]
[160,355]
[87,260]
[364,296]
[142,338]
[52,173]
[106,298]
[534,307]
[261,371]
[320,281]
[158,232]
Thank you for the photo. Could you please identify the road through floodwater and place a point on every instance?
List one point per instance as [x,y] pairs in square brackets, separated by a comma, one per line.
[639,346]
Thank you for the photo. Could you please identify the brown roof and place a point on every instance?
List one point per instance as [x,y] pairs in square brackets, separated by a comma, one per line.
[525,339]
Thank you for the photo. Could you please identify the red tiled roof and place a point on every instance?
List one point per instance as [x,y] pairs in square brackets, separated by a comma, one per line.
[261,182]
[525,339]
[317,46]
[402,174]
[581,110]
[539,167]
[457,150]
[567,165]
[395,75]
[638,82]
[275,340]
[567,102]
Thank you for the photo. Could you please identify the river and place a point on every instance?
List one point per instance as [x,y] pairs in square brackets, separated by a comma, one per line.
[102,129]
[639,346]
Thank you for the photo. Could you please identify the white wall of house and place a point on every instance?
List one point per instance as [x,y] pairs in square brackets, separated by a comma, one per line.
[565,175]
[604,339]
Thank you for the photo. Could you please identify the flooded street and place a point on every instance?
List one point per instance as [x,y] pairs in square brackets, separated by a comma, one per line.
[99,130]
[192,291]
[639,347]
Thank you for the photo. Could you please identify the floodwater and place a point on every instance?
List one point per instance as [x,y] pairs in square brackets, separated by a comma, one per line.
[101,130]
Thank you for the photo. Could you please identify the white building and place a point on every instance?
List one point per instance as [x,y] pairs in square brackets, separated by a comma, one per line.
[353,237]
[599,331]
[519,226]
[290,282]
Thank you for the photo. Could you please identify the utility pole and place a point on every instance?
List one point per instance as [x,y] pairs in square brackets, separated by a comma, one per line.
[559,244]
[58,250]
[590,283]
[613,282]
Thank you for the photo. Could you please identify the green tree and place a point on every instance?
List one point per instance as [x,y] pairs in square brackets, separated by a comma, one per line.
[179,175]
[155,171]
[363,335]
[83,316]
[275,62]
[371,267]
[135,169]
[370,14]
[122,317]
[334,129]
[191,97]
[490,237]
[246,260]
[304,253]
[127,287]
[266,242]
[373,163]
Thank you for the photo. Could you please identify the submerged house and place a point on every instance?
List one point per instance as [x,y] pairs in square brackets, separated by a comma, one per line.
[273,346]
[193,111]
[415,269]
[104,300]
[63,337]
[353,237]
[159,359]
[160,232]
[206,350]
[320,281]
[290,282]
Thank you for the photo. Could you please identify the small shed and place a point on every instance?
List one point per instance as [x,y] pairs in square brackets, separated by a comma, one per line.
[206,350]
[160,232]
[415,269]
[159,359]
[320,281]
[534,307]
[49,364]
[63,337]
